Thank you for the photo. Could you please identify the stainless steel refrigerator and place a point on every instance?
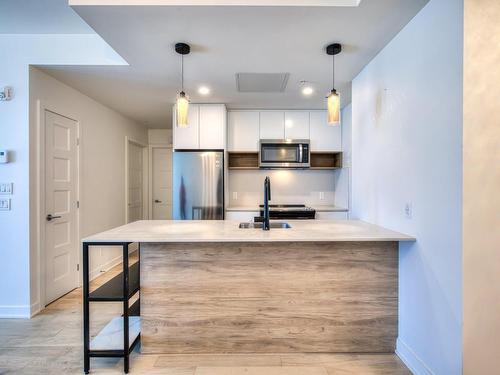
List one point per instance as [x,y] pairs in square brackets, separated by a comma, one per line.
[198,185]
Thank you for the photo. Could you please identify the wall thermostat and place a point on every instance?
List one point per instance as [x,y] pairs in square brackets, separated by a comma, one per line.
[4,156]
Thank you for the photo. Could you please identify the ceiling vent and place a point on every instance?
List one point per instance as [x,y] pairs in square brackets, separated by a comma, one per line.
[261,82]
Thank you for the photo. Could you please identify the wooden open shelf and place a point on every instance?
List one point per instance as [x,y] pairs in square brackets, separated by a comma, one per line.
[250,160]
[243,160]
[326,160]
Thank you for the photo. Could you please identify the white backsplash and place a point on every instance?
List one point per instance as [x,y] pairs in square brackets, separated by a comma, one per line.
[287,186]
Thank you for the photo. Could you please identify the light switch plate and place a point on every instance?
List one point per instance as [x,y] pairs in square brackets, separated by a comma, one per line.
[4,204]
[6,188]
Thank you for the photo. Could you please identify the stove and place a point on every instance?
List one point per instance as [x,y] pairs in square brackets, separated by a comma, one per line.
[289,211]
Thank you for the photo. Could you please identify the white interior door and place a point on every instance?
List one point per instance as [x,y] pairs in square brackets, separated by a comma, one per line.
[61,188]
[135,182]
[162,183]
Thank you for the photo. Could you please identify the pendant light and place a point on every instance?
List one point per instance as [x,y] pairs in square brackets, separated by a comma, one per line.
[182,103]
[333,98]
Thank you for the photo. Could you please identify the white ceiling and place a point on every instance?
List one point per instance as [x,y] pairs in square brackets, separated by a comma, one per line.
[228,40]
[40,17]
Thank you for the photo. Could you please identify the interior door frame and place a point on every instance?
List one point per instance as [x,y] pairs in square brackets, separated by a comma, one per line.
[145,176]
[41,267]
[150,174]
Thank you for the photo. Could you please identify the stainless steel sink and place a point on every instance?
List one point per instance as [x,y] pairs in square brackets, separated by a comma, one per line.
[275,224]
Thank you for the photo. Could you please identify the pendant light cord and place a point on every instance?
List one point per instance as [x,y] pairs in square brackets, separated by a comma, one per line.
[333,72]
[182,73]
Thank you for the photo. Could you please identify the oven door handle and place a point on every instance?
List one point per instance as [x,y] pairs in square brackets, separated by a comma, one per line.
[300,154]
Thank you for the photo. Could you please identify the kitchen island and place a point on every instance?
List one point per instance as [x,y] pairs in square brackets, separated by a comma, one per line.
[211,287]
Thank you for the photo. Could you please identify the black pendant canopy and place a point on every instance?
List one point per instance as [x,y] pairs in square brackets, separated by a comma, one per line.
[334,49]
[182,48]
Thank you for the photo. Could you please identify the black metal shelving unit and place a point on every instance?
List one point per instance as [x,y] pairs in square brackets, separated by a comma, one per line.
[119,289]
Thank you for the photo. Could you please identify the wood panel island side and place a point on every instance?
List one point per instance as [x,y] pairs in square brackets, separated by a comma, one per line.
[210,287]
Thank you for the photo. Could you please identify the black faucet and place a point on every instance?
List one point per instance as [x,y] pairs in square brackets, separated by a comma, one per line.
[267,198]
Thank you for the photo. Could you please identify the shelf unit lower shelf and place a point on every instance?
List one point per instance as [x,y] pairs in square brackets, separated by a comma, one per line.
[110,338]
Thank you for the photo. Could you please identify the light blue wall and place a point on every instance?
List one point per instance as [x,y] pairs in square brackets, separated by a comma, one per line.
[407,147]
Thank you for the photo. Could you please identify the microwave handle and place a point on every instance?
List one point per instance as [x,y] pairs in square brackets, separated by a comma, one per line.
[300,154]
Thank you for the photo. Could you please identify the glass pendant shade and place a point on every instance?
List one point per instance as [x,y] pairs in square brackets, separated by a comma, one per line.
[182,109]
[333,108]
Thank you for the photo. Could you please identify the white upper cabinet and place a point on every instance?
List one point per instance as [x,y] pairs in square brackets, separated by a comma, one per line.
[297,125]
[187,138]
[324,137]
[206,128]
[272,125]
[243,131]
[212,126]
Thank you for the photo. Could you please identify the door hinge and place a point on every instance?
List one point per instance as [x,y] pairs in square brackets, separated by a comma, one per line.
[77,204]
[78,141]
[78,267]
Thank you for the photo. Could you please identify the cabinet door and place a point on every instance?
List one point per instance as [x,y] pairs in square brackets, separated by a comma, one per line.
[187,138]
[324,137]
[297,125]
[212,126]
[243,131]
[272,125]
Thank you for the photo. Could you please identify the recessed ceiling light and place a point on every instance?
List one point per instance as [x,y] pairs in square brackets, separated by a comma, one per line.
[204,90]
[307,90]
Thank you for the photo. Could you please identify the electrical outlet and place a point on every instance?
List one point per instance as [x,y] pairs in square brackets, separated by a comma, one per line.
[6,188]
[235,195]
[5,204]
[321,195]
[408,210]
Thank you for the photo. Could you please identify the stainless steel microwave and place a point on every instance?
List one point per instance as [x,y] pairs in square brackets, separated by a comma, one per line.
[287,153]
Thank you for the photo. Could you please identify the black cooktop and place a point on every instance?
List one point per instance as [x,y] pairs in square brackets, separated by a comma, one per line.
[289,211]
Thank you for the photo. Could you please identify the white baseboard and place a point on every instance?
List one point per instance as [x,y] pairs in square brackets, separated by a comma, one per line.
[105,267]
[35,309]
[411,359]
[15,312]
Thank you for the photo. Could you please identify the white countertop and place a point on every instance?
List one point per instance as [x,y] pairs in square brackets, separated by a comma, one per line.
[318,208]
[228,231]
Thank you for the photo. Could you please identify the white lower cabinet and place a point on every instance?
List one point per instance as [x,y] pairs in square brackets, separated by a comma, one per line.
[331,215]
[243,216]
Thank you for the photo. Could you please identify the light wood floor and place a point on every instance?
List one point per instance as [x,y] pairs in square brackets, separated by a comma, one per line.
[51,343]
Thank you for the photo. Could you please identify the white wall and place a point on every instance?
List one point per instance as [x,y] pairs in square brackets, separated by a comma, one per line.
[102,152]
[406,147]
[481,201]
[287,186]
[342,177]
[160,137]
[14,136]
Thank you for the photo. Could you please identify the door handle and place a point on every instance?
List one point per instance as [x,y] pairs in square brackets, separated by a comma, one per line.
[157,201]
[50,217]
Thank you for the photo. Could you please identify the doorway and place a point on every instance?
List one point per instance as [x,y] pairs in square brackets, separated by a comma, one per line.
[61,205]
[136,191]
[161,183]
